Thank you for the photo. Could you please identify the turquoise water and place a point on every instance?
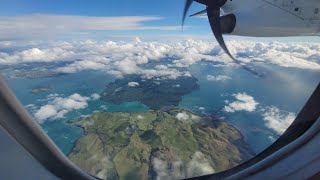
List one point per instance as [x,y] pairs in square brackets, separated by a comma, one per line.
[286,88]
[83,83]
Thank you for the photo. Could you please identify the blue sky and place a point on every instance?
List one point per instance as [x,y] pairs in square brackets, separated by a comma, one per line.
[168,8]
[169,13]
[70,19]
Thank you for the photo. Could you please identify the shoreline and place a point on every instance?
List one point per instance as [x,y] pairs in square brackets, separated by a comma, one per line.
[75,123]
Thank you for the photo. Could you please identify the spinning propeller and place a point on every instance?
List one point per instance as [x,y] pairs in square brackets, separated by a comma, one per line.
[213,13]
[219,24]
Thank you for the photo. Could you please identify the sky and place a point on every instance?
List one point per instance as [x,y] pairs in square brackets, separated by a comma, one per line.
[41,20]
[36,19]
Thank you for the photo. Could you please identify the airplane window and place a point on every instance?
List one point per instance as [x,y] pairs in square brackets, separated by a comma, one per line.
[129,95]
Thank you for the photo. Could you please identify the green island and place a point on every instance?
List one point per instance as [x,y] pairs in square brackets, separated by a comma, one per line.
[153,93]
[42,89]
[170,143]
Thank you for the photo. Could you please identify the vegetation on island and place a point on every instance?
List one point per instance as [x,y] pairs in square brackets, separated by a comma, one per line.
[153,93]
[42,89]
[168,143]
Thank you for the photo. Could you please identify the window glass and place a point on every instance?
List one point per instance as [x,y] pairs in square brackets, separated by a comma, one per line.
[128,94]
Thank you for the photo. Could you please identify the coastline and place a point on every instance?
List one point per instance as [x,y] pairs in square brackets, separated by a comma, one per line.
[245,151]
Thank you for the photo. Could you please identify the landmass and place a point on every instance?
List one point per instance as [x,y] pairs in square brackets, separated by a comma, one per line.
[153,93]
[34,74]
[172,143]
[42,89]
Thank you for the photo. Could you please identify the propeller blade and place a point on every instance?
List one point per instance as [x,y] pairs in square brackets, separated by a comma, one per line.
[213,13]
[214,20]
[186,9]
[199,13]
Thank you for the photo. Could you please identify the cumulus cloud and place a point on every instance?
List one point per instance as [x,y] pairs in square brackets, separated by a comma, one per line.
[182,116]
[59,106]
[133,84]
[277,119]
[218,78]
[140,117]
[197,166]
[166,170]
[104,107]
[187,118]
[95,96]
[80,66]
[45,112]
[243,102]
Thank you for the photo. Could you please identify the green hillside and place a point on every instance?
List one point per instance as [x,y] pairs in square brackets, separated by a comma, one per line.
[173,143]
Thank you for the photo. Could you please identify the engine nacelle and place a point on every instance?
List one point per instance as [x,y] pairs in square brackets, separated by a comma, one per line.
[228,23]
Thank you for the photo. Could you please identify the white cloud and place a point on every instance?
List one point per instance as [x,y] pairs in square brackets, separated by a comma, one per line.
[218,78]
[95,96]
[140,117]
[277,119]
[166,170]
[45,112]
[50,25]
[243,102]
[31,107]
[182,116]
[202,108]
[133,84]
[74,101]
[298,55]
[157,83]
[58,106]
[80,66]
[197,166]
[187,118]
[37,55]
[104,107]
[123,58]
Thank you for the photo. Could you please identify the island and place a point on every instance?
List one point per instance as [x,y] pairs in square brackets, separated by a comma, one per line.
[153,93]
[42,89]
[35,74]
[171,143]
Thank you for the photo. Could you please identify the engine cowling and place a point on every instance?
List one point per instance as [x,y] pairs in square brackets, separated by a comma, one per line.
[228,23]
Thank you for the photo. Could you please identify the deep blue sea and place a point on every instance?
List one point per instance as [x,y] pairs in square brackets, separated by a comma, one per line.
[285,88]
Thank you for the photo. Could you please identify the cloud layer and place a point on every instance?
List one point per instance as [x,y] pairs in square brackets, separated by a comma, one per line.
[122,58]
